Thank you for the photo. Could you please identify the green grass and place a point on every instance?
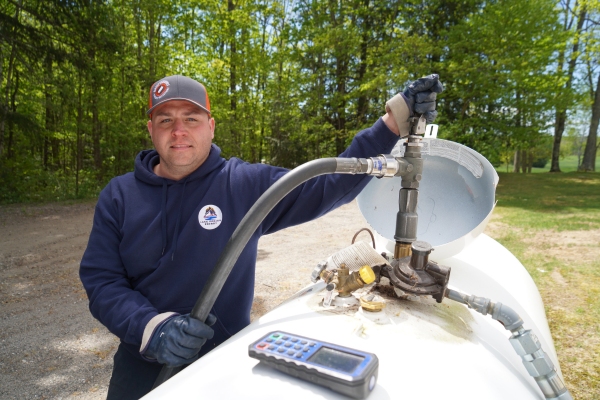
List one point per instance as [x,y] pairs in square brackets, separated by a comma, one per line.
[567,201]
[566,164]
[551,222]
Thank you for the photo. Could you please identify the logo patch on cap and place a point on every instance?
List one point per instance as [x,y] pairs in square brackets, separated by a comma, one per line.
[210,217]
[160,89]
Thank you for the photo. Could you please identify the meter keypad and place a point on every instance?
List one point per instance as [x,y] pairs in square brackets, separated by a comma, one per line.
[288,345]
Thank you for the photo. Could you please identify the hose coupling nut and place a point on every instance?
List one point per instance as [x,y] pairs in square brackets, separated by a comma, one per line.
[384,165]
[525,343]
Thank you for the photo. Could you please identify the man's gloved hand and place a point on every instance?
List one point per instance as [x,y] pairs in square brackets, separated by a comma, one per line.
[178,340]
[419,97]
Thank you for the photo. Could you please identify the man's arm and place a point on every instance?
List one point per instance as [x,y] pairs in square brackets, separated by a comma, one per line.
[166,337]
[112,301]
[325,193]
[389,121]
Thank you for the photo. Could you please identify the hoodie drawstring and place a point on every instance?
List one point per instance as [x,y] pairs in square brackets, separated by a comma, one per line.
[163,212]
[176,236]
[164,218]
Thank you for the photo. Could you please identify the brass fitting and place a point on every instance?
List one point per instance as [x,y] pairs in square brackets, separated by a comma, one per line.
[402,250]
[372,303]
[349,282]
[327,275]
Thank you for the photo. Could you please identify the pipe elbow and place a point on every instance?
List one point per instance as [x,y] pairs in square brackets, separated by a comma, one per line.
[506,316]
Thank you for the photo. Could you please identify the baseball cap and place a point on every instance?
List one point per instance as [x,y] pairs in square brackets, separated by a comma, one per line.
[178,87]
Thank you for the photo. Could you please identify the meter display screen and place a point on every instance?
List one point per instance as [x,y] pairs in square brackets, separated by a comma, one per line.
[335,359]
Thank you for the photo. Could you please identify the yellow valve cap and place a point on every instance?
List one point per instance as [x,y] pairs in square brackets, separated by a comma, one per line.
[366,274]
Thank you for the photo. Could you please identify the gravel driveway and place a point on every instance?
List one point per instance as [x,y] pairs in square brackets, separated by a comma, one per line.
[50,345]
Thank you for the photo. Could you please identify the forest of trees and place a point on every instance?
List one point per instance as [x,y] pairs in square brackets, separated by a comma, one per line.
[289,81]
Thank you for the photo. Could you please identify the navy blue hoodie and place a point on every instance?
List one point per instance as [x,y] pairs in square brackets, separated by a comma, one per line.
[154,241]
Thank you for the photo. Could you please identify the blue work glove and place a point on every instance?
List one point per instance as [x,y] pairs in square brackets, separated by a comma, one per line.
[419,97]
[179,339]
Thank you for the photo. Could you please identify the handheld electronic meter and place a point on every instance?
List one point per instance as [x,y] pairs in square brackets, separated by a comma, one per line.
[348,371]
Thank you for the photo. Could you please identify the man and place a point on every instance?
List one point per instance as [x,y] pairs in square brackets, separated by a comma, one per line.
[159,231]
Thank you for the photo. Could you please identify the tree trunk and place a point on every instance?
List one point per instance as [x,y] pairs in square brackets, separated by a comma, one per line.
[96,136]
[320,90]
[517,161]
[233,74]
[341,73]
[363,101]
[96,129]
[5,111]
[11,66]
[79,155]
[13,107]
[137,22]
[589,156]
[561,113]
[152,48]
[559,128]
[49,108]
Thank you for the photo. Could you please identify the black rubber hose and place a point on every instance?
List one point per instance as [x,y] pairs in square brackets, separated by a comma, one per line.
[242,235]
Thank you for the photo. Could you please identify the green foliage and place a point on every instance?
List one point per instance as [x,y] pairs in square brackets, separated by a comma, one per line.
[540,163]
[27,182]
[502,89]
[288,81]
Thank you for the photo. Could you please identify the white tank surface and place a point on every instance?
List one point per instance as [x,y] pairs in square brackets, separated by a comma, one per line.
[426,350]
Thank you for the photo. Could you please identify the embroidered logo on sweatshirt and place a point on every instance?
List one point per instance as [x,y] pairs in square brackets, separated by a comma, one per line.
[210,217]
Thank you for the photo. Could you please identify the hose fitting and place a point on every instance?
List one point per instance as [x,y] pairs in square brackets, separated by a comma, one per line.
[380,166]
[526,344]
[506,316]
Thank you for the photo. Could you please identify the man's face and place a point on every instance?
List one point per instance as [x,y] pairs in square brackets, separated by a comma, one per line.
[182,134]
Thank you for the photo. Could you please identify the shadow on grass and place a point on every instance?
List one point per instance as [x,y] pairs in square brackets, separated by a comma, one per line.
[562,201]
[549,192]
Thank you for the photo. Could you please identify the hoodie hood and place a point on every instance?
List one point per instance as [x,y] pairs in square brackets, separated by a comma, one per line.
[146,160]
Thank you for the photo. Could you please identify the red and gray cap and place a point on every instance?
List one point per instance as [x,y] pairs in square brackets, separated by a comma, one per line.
[178,87]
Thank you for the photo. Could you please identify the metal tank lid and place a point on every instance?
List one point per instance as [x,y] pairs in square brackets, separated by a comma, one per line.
[456,198]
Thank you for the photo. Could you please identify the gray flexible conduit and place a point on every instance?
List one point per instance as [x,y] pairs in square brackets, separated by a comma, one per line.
[248,225]
[244,232]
